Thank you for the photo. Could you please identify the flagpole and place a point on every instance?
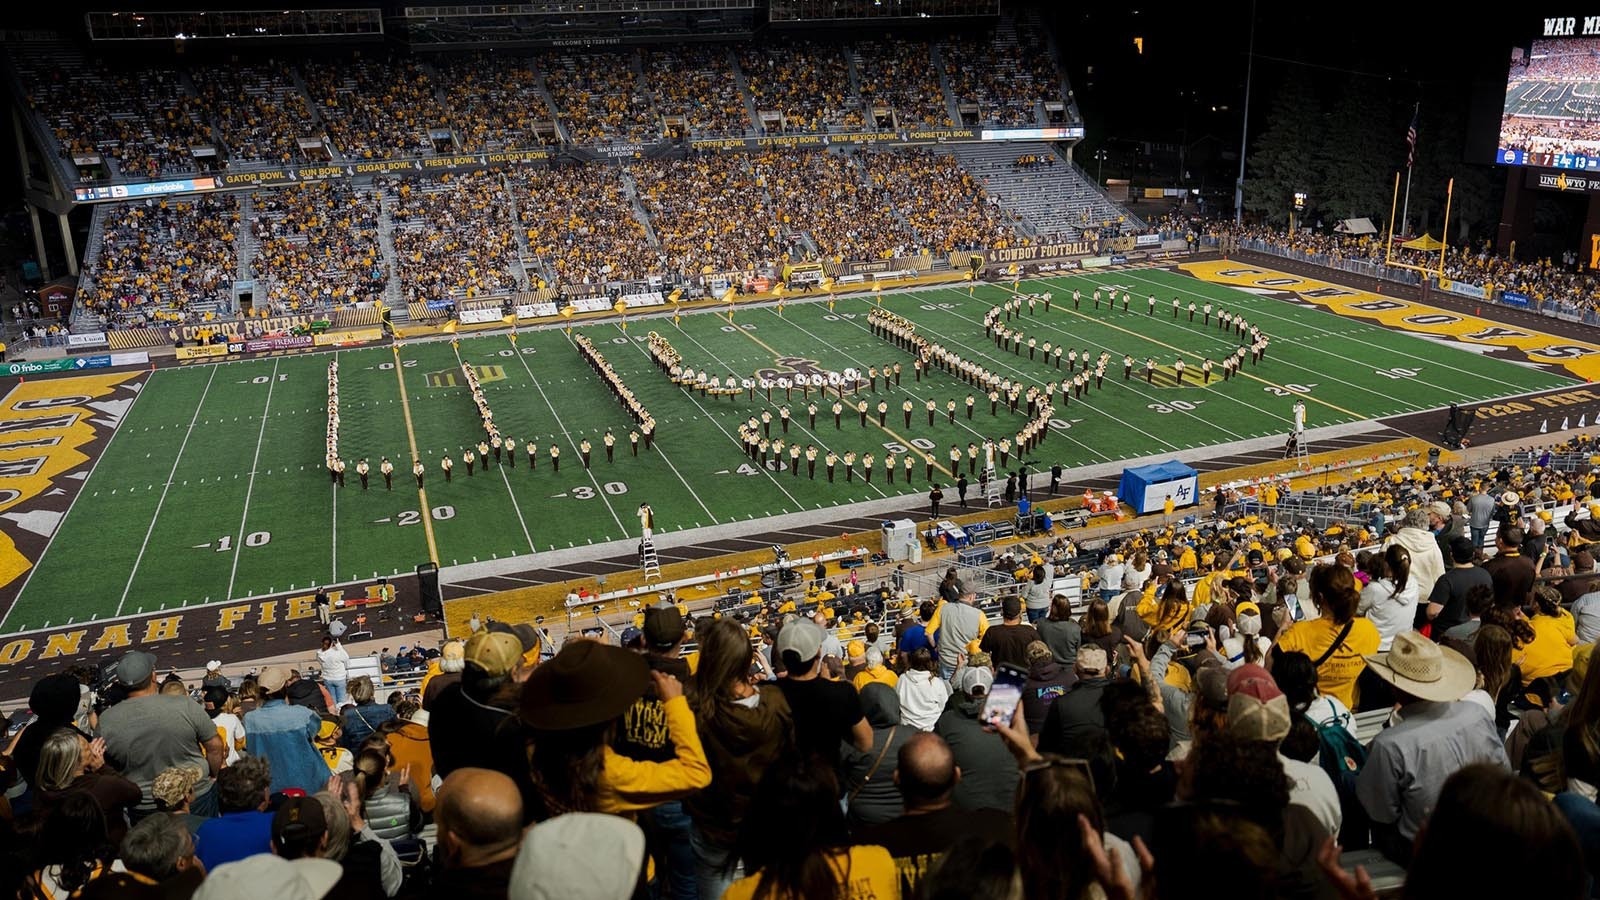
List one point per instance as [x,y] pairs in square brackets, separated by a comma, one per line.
[1388,245]
[1405,208]
[1444,239]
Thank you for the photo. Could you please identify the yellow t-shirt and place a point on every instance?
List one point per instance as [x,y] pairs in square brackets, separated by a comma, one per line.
[1548,653]
[868,873]
[1337,675]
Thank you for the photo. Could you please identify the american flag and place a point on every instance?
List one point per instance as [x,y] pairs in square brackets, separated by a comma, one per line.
[1411,137]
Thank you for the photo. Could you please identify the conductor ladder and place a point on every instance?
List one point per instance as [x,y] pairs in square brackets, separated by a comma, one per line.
[992,487]
[649,563]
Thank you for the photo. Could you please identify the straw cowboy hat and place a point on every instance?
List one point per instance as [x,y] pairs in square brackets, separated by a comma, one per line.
[1423,669]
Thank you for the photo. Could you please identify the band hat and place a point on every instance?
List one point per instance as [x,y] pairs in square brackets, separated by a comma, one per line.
[585,684]
[1425,670]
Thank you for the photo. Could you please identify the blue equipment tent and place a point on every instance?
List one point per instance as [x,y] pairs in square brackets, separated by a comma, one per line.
[1146,488]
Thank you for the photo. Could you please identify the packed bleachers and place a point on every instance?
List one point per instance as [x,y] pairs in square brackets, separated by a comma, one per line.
[492,101]
[899,75]
[945,206]
[318,247]
[580,224]
[375,108]
[599,96]
[696,81]
[808,82]
[159,260]
[142,118]
[454,237]
[825,195]
[259,111]
[708,213]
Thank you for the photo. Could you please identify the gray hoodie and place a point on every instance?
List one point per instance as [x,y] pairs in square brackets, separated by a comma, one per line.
[869,776]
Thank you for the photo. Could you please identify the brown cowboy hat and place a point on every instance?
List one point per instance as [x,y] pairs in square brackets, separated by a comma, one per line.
[585,684]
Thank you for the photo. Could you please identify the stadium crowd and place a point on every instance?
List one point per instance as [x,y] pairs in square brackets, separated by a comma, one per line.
[492,102]
[375,108]
[824,195]
[945,206]
[898,75]
[1208,705]
[599,97]
[259,112]
[454,237]
[318,246]
[807,82]
[696,81]
[580,224]
[159,258]
[1004,79]
[709,214]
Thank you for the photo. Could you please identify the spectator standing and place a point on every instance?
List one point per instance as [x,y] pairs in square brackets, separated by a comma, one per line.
[1259,711]
[869,776]
[366,716]
[1036,592]
[54,704]
[1427,562]
[1075,725]
[927,776]
[479,821]
[1447,604]
[284,734]
[1047,681]
[1008,642]
[174,793]
[915,636]
[1408,763]
[70,763]
[148,733]
[245,826]
[335,663]
[569,706]
[1389,601]
[72,849]
[795,844]
[875,672]
[643,736]
[385,796]
[744,728]
[223,708]
[1513,574]
[826,713]
[409,747]
[1337,641]
[922,693]
[1060,632]
[989,773]
[954,626]
[1480,512]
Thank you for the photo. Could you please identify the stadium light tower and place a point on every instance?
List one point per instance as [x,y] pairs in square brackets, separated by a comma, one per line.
[1244,132]
[1100,164]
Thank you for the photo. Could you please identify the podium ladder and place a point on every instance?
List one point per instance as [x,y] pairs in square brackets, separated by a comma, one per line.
[649,564]
[993,490]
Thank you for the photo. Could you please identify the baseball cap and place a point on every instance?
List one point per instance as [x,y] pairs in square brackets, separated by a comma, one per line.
[298,822]
[663,626]
[631,636]
[974,681]
[1091,660]
[273,678]
[269,877]
[803,638]
[214,665]
[1011,606]
[172,785]
[453,651]
[1257,710]
[495,652]
[1211,685]
[578,856]
[135,668]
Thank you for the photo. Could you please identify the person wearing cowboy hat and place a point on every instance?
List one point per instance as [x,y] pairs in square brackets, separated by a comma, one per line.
[572,706]
[1409,762]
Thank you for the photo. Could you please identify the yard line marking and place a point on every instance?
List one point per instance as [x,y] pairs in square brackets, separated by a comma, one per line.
[250,486]
[664,458]
[103,453]
[572,442]
[333,539]
[177,458]
[411,436]
[503,477]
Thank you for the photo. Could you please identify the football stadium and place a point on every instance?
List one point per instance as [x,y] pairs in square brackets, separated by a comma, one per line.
[785,449]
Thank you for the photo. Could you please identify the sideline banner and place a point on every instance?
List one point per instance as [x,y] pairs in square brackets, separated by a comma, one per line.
[92,339]
[203,351]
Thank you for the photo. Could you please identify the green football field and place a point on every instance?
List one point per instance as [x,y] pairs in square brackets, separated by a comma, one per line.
[213,487]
